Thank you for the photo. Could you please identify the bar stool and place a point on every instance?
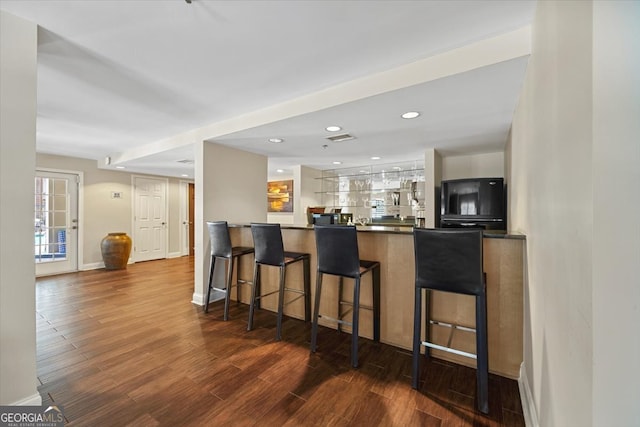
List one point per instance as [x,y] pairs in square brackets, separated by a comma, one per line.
[451,261]
[269,250]
[221,248]
[337,248]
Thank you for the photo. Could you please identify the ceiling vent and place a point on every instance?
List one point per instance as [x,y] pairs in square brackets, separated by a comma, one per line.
[341,138]
[186,161]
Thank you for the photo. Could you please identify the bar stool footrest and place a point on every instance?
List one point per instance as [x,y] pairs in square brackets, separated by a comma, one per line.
[449,350]
[362,306]
[339,321]
[293,300]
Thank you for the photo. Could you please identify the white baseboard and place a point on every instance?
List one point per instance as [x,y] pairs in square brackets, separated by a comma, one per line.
[99,265]
[34,400]
[526,397]
[91,266]
[215,296]
[197,298]
[174,254]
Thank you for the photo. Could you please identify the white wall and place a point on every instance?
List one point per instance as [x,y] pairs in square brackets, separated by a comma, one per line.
[18,58]
[574,148]
[616,232]
[485,165]
[551,202]
[100,213]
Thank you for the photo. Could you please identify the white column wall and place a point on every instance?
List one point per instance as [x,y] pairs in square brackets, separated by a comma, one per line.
[432,179]
[616,204]
[231,185]
[306,188]
[574,191]
[18,59]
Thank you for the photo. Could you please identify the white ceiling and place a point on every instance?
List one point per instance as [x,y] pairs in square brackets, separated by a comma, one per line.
[117,77]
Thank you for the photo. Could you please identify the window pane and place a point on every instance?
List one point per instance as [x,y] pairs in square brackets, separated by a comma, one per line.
[59,202]
[59,186]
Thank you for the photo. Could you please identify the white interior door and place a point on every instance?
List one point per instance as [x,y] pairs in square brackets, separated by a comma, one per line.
[56,223]
[150,219]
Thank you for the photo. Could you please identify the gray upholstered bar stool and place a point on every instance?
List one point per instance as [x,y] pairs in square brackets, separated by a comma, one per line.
[338,255]
[221,249]
[451,261]
[269,251]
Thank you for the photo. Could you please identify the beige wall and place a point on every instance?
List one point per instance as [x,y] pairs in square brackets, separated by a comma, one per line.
[307,189]
[432,178]
[100,214]
[551,202]
[486,165]
[230,186]
[574,149]
[306,192]
[282,217]
[616,231]
[18,58]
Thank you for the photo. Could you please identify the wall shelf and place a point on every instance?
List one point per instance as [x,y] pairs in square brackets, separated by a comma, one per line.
[374,191]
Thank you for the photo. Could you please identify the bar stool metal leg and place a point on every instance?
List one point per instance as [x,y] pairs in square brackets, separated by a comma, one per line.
[356,323]
[482,353]
[227,297]
[417,342]
[340,289]
[255,290]
[427,321]
[280,303]
[375,277]
[316,311]
[211,269]
[307,289]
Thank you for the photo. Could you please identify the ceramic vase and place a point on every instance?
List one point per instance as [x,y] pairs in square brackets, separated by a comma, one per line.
[115,248]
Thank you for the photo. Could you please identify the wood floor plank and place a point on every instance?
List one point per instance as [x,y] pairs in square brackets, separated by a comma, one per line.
[128,347]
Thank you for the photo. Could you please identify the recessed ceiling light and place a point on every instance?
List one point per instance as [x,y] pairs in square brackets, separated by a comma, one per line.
[279,170]
[337,163]
[185,175]
[376,158]
[119,167]
[410,115]
[333,128]
[276,140]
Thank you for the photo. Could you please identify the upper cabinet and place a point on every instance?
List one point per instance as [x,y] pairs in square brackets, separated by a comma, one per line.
[375,191]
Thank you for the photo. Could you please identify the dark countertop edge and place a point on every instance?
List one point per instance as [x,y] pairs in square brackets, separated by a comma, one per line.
[393,230]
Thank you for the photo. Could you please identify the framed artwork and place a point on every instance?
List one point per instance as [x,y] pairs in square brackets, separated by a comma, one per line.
[280,196]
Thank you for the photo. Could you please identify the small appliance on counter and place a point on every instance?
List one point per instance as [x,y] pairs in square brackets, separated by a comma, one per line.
[332,218]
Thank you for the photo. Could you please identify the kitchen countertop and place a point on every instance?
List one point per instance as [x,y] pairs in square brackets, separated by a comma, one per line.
[491,234]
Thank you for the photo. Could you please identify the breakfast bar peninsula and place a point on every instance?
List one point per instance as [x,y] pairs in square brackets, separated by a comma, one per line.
[393,248]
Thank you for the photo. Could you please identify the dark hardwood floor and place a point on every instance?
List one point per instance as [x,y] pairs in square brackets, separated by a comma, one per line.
[128,348]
